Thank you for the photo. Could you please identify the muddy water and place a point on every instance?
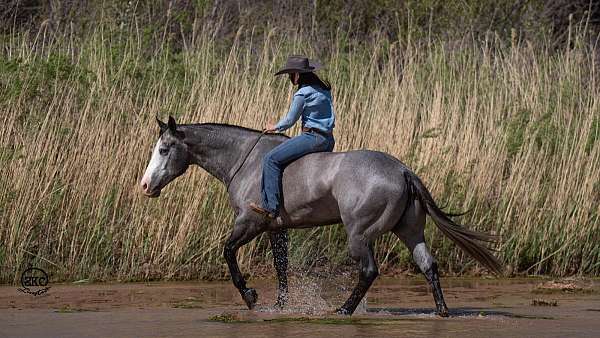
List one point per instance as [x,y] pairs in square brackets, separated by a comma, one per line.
[394,307]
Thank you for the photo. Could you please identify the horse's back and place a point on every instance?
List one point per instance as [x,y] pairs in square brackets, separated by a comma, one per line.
[357,164]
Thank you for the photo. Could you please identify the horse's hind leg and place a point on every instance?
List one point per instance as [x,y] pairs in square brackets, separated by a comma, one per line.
[279,247]
[410,230]
[363,253]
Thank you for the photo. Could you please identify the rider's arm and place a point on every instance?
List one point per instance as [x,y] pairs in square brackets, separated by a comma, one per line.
[292,115]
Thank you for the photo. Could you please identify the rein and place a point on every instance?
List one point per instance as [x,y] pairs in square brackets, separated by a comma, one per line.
[245,158]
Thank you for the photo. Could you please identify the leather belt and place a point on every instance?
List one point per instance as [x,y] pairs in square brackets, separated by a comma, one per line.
[318,131]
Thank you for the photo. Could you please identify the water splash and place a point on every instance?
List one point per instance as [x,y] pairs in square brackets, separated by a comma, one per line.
[318,293]
[307,296]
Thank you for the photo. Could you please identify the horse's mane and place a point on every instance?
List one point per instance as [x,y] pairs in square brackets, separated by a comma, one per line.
[214,124]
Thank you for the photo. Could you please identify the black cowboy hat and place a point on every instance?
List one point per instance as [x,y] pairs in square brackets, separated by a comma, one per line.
[298,64]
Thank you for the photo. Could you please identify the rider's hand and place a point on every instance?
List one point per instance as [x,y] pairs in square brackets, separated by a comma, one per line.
[270,128]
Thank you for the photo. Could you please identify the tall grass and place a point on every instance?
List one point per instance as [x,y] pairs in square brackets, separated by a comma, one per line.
[510,131]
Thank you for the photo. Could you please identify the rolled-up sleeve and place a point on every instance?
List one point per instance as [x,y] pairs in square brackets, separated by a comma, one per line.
[293,114]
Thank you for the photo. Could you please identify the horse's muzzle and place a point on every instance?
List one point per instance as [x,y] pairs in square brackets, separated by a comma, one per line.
[149,193]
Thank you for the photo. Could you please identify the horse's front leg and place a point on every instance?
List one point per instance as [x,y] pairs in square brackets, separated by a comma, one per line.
[279,247]
[241,235]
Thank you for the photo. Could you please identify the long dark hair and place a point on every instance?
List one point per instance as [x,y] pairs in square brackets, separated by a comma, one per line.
[311,78]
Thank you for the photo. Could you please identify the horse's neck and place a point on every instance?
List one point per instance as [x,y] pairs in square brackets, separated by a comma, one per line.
[218,149]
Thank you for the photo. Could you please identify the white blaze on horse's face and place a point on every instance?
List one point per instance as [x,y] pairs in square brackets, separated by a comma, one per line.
[170,158]
[153,172]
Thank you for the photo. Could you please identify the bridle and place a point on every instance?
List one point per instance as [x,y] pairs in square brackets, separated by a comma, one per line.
[245,158]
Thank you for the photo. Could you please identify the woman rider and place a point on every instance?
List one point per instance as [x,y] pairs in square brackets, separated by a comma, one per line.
[313,103]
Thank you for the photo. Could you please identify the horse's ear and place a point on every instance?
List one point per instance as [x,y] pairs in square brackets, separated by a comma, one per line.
[172,124]
[173,128]
[161,125]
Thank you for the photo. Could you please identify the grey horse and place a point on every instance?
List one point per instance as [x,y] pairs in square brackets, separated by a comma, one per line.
[370,192]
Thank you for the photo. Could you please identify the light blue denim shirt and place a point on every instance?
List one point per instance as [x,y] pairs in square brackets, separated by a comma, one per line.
[315,106]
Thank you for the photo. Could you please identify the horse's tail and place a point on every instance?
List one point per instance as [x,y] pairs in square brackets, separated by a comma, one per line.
[466,239]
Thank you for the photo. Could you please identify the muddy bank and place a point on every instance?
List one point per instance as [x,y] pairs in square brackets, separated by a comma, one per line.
[394,307]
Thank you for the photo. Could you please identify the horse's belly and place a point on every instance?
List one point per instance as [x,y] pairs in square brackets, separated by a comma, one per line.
[314,213]
[310,206]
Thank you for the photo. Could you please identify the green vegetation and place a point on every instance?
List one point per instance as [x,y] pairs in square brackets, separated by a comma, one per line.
[235,319]
[504,122]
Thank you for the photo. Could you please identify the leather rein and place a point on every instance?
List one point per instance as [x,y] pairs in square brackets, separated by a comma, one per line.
[245,158]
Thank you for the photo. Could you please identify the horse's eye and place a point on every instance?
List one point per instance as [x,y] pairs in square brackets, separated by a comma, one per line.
[163,151]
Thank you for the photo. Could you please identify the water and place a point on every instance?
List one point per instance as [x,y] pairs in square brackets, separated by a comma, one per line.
[394,307]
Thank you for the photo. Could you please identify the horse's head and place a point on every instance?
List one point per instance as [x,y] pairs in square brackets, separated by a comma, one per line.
[170,159]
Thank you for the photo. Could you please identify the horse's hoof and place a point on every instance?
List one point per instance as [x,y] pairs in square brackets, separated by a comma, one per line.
[343,311]
[250,297]
[443,312]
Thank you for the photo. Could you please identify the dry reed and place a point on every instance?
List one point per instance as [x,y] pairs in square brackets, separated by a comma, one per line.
[510,131]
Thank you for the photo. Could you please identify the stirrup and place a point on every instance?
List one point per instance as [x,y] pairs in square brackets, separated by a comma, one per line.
[258,209]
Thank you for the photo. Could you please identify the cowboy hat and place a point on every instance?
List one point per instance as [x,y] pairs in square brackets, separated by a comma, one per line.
[298,64]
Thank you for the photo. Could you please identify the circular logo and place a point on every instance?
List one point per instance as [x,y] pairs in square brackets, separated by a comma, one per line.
[34,281]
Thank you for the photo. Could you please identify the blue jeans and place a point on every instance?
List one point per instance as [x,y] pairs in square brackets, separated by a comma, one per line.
[279,157]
